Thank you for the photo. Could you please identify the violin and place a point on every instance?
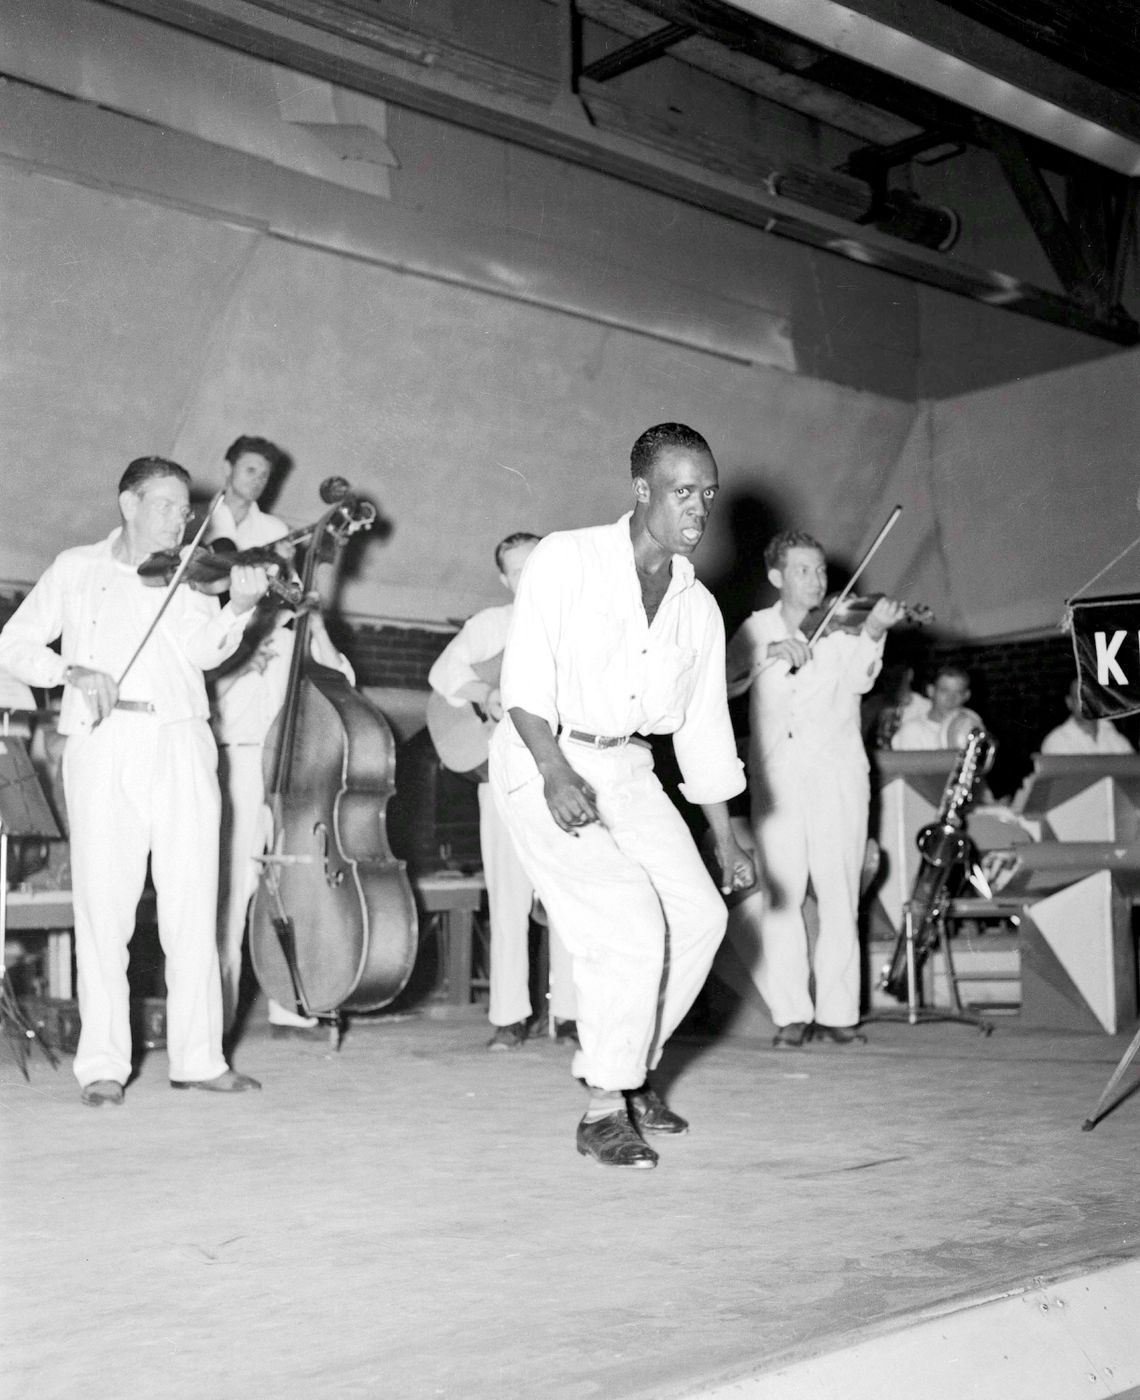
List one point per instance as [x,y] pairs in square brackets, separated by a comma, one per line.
[849,615]
[208,569]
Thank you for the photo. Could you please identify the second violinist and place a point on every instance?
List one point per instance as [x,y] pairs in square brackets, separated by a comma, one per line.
[810,790]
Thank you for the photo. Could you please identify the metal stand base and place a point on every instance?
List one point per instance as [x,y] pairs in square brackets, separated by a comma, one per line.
[915,1013]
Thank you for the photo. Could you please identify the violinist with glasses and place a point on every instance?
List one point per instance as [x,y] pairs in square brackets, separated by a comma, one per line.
[810,788]
[139,771]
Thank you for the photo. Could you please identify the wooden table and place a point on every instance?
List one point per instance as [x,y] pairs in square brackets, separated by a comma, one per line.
[48,912]
[457,898]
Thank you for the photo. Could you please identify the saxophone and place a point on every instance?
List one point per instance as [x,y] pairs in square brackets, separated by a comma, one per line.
[943,847]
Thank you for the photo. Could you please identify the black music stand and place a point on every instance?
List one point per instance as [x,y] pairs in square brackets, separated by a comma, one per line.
[24,811]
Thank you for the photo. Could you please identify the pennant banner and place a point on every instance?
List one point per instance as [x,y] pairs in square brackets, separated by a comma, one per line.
[1106,647]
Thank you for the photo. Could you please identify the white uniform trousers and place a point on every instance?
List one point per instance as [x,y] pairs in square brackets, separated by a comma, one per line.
[633,902]
[811,822]
[510,895]
[135,786]
[246,827]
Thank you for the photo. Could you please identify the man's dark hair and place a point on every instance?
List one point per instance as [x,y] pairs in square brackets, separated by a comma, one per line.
[263,447]
[144,469]
[656,440]
[776,550]
[504,547]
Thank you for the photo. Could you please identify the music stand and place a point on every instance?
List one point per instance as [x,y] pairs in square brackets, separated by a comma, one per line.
[24,811]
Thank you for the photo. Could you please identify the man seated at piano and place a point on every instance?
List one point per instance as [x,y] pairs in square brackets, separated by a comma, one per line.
[1079,735]
[947,721]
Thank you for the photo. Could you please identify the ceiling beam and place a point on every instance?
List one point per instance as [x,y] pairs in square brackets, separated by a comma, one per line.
[1044,215]
[937,49]
[287,40]
[631,56]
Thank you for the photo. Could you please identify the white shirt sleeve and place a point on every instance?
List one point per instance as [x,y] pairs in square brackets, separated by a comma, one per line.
[480,639]
[529,678]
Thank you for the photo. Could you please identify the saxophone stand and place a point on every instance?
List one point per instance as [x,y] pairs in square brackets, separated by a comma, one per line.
[915,1013]
[23,812]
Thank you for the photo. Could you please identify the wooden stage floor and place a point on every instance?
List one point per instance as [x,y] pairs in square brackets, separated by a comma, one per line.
[409,1218]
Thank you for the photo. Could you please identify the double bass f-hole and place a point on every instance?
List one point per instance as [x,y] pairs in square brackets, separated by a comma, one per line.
[333,878]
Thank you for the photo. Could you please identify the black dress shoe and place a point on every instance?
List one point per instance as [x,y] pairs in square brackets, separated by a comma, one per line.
[838,1035]
[789,1037]
[508,1037]
[613,1141]
[228,1082]
[566,1033]
[101,1091]
[651,1114]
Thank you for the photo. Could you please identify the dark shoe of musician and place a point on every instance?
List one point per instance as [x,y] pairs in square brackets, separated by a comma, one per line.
[566,1033]
[651,1114]
[613,1141]
[101,1091]
[789,1037]
[229,1082]
[838,1035]
[508,1037]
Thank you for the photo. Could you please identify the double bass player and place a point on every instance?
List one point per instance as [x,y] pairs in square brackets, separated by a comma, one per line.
[139,772]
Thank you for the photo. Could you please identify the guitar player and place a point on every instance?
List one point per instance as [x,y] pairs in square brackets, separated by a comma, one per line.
[466,677]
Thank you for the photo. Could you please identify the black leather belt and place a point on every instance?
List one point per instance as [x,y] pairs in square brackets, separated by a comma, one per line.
[597,741]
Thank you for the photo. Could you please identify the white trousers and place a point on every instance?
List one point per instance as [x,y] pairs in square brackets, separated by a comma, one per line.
[135,787]
[245,829]
[246,833]
[510,895]
[811,823]
[633,902]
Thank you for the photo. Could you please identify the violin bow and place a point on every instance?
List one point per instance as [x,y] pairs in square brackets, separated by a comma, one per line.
[845,592]
[184,564]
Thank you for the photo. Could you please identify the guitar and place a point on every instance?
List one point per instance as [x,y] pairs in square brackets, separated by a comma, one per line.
[462,733]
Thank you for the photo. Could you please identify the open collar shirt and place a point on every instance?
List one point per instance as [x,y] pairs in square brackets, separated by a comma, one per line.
[99,610]
[581,654]
[1070,738]
[810,716]
[256,528]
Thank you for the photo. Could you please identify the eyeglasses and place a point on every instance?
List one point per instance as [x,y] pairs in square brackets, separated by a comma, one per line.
[169,510]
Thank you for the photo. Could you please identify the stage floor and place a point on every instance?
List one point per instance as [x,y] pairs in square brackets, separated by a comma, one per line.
[409,1218]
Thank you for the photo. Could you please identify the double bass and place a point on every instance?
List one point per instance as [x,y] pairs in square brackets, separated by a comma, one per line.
[333,927]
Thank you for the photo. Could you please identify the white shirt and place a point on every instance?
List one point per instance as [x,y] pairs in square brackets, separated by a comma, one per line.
[925,732]
[810,716]
[481,639]
[100,610]
[1070,738]
[247,702]
[256,528]
[581,654]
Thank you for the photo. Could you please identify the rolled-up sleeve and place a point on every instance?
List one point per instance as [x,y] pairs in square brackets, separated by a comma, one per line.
[25,642]
[704,744]
[529,679]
